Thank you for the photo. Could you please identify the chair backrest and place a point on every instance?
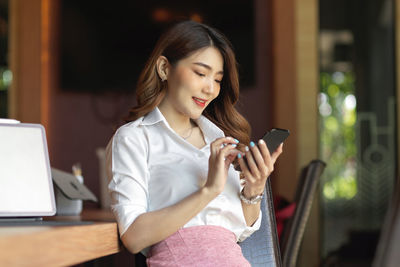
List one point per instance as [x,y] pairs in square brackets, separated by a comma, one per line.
[293,233]
[262,247]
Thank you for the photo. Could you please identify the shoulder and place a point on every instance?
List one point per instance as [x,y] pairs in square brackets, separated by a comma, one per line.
[130,133]
[130,128]
[129,144]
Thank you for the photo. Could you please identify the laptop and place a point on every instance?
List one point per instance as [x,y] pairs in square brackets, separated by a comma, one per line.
[26,184]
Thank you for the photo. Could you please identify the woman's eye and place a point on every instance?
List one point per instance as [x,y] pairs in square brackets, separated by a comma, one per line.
[218,81]
[200,74]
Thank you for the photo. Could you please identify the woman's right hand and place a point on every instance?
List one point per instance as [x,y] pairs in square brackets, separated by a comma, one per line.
[223,153]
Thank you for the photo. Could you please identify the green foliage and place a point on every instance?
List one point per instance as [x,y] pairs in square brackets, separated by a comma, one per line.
[337,108]
[5,78]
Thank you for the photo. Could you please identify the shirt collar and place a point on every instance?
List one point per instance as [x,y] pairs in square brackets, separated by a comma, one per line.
[209,129]
[153,117]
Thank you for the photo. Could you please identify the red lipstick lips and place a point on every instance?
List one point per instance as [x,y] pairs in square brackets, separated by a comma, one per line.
[200,102]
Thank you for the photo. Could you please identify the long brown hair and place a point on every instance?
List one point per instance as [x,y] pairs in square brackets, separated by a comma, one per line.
[177,43]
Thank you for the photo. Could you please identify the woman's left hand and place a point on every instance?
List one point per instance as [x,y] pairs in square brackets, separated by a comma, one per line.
[260,164]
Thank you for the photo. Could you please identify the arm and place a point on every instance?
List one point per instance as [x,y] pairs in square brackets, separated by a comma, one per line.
[261,165]
[152,227]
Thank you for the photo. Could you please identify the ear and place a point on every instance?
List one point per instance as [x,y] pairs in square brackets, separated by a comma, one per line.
[162,68]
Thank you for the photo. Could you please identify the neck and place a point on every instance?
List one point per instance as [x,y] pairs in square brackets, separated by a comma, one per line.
[179,122]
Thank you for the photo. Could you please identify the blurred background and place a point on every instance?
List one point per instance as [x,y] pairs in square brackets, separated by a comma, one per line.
[327,70]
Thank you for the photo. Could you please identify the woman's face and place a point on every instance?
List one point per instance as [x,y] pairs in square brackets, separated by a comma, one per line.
[193,83]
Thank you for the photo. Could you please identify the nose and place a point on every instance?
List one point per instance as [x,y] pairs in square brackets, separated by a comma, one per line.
[209,86]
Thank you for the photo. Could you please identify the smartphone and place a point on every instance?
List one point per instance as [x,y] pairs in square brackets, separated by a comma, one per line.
[273,139]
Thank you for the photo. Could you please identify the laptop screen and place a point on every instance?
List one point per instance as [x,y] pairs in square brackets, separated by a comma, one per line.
[26,188]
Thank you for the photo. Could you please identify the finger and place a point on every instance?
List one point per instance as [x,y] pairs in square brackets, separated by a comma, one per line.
[245,174]
[257,156]
[264,151]
[231,157]
[244,168]
[228,150]
[259,160]
[221,142]
[250,161]
[277,153]
[242,163]
[228,154]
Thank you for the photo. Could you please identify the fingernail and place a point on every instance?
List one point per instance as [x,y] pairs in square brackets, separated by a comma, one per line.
[234,145]
[246,148]
[239,156]
[237,141]
[252,144]
[261,141]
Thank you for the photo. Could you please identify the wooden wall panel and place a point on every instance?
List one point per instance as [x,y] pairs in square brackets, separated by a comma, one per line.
[295,75]
[28,93]
[284,94]
[307,68]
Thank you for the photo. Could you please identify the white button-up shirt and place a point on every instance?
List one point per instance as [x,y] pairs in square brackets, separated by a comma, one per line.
[151,167]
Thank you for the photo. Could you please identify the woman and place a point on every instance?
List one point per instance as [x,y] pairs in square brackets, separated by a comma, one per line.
[175,194]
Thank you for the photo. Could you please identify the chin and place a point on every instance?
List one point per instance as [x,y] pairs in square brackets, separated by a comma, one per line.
[195,116]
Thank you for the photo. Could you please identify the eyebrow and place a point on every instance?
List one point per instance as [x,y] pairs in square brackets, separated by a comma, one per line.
[207,67]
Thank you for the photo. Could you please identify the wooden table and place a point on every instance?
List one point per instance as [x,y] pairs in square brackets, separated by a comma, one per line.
[60,245]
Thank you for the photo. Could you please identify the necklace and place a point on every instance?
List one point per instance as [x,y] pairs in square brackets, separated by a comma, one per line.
[189,135]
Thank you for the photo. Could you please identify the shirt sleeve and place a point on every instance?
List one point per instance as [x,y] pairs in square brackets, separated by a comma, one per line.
[251,229]
[127,169]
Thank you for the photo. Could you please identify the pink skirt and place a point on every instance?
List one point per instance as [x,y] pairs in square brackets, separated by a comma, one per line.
[198,246]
